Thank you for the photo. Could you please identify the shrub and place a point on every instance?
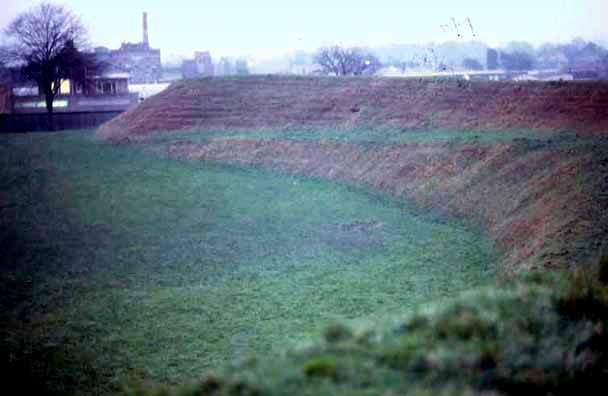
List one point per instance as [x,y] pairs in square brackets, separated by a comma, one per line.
[321,367]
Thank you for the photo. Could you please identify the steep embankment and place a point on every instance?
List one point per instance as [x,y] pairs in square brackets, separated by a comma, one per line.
[542,198]
[540,201]
[280,102]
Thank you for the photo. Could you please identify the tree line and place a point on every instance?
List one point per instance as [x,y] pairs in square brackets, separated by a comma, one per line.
[515,56]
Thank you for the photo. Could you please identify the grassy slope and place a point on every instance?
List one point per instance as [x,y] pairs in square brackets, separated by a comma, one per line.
[259,102]
[119,265]
[540,195]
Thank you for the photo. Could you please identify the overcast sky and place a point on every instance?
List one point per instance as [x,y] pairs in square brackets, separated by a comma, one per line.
[269,27]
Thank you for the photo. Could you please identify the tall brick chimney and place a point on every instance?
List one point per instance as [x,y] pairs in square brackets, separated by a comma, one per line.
[145,19]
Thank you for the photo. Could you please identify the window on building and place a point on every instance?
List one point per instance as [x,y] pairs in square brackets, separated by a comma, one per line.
[108,88]
[64,87]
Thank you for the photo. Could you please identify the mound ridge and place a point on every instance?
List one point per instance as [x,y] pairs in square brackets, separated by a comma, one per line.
[540,194]
[314,102]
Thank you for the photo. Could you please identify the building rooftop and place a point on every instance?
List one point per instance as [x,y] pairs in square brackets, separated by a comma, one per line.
[112,76]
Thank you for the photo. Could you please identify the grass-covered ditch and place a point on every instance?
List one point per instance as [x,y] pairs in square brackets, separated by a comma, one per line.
[120,266]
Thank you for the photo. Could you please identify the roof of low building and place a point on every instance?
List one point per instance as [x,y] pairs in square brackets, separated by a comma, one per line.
[112,76]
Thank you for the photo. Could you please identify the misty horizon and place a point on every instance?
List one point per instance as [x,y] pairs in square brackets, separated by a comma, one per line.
[271,29]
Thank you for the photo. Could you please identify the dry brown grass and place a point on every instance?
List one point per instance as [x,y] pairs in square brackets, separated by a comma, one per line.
[282,102]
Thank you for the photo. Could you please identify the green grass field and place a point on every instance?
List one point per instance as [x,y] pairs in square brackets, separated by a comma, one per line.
[118,264]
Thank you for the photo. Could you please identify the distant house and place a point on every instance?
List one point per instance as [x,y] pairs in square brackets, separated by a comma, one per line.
[204,64]
[482,75]
[189,69]
[587,72]
[112,83]
[390,71]
[200,66]
[224,67]
[105,92]
[86,104]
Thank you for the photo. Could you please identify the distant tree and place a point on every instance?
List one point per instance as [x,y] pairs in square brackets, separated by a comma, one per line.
[584,54]
[492,59]
[45,42]
[575,46]
[4,74]
[224,67]
[550,56]
[4,55]
[519,46]
[573,51]
[342,61]
[519,61]
[472,64]
[546,48]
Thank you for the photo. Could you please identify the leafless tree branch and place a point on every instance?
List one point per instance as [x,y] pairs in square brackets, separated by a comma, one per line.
[340,61]
[46,42]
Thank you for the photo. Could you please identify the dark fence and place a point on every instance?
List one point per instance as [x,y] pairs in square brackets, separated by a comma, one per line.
[35,122]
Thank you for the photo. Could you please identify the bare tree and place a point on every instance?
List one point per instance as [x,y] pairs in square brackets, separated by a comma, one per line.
[518,60]
[346,61]
[45,43]
[4,55]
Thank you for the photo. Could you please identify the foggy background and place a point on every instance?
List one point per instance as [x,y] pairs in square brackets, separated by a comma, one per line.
[260,30]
